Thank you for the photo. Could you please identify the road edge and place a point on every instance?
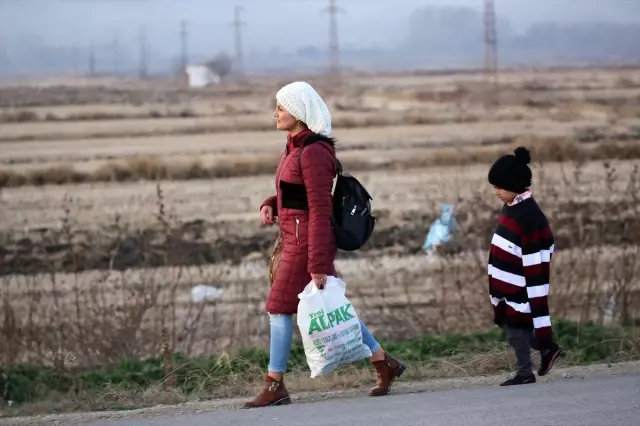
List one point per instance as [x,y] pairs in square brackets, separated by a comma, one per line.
[430,385]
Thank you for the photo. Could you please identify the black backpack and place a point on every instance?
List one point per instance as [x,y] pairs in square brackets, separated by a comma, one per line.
[352,220]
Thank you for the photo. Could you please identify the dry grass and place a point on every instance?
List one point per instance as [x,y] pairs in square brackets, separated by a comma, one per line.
[29,116]
[79,112]
[233,202]
[80,318]
[98,125]
[90,128]
[394,139]
[106,273]
[100,316]
[150,168]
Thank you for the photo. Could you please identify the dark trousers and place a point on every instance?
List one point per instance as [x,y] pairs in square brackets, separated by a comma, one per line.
[522,341]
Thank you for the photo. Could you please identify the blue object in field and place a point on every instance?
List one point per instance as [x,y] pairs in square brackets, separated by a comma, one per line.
[442,228]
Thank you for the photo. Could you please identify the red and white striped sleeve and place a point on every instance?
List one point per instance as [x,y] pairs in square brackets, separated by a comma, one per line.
[537,250]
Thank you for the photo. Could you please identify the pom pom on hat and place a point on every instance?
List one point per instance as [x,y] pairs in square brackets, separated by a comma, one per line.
[306,105]
[512,172]
[522,154]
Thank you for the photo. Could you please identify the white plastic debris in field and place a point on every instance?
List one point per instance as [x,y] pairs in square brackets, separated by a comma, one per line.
[202,292]
[442,229]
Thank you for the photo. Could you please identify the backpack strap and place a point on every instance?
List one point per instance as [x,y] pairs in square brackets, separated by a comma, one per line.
[313,138]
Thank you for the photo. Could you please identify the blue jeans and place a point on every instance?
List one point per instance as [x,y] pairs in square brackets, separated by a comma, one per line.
[282,336]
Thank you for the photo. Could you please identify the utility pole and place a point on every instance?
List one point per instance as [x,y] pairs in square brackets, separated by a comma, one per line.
[238,24]
[334,45]
[115,50]
[184,54]
[92,59]
[3,53]
[490,52]
[143,70]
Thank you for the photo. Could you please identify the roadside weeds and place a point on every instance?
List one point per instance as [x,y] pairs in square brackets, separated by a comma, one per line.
[433,385]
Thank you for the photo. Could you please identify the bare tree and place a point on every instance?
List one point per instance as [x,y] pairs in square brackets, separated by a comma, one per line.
[221,65]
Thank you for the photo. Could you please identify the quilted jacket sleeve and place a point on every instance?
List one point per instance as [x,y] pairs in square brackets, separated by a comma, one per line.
[318,170]
[271,202]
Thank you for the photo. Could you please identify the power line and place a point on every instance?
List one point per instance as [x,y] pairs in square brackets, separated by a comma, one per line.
[490,51]
[238,24]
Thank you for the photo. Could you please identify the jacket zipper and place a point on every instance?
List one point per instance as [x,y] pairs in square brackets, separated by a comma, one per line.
[297,232]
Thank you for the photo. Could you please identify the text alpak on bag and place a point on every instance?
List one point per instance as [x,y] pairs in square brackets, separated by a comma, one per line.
[330,328]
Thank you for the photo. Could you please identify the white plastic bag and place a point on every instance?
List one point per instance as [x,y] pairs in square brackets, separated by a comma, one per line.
[203,292]
[330,329]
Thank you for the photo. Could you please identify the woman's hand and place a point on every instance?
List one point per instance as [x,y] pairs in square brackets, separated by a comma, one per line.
[320,280]
[266,214]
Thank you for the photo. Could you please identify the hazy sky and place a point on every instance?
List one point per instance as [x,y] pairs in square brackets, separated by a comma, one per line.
[288,24]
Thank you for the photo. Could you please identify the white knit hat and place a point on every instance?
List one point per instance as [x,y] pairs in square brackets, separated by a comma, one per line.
[305,104]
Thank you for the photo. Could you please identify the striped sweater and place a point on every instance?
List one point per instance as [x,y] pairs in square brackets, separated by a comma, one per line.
[519,268]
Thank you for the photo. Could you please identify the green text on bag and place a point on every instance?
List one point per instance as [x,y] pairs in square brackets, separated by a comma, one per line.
[322,322]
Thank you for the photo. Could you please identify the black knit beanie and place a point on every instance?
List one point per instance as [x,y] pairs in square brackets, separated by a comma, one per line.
[511,172]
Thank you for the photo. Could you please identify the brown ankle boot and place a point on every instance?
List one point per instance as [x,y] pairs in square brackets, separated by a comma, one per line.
[387,370]
[273,393]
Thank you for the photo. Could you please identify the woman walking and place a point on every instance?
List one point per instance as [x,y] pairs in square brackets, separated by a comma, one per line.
[303,206]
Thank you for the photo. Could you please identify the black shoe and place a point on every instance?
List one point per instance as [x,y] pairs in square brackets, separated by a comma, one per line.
[520,380]
[548,358]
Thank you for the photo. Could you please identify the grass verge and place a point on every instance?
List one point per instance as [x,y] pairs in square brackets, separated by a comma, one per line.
[178,378]
[153,168]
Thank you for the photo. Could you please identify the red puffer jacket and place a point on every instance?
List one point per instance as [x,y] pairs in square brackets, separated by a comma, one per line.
[303,205]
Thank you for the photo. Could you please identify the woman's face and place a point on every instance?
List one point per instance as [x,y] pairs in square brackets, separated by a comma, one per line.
[284,120]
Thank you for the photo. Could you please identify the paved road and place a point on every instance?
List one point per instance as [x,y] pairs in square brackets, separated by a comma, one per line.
[613,401]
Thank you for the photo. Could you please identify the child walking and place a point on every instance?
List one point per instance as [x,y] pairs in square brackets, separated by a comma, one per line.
[519,268]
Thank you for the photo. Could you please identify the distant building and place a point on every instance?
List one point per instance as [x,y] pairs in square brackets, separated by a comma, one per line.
[200,76]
